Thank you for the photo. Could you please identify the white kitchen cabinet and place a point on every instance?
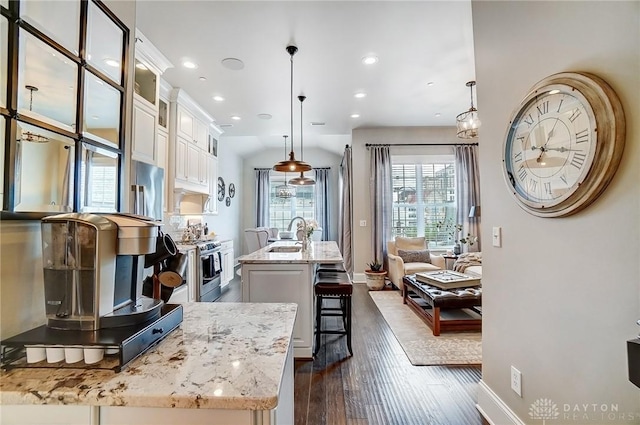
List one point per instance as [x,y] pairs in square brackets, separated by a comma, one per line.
[25,414]
[228,262]
[201,138]
[211,206]
[181,159]
[193,163]
[185,123]
[289,283]
[162,161]
[143,144]
[203,170]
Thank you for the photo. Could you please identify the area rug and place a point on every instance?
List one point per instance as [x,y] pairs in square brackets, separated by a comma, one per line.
[417,340]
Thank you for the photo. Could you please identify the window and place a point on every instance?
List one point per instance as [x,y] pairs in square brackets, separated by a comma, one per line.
[281,211]
[423,196]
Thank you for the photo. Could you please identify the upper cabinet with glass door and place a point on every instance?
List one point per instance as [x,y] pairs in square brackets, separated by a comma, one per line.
[150,63]
[69,91]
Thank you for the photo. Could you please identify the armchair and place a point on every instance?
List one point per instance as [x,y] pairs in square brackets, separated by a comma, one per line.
[398,268]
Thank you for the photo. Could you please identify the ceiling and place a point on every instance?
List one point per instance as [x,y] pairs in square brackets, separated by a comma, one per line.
[417,43]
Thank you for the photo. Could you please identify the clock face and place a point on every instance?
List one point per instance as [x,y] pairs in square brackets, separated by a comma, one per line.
[563,144]
[550,146]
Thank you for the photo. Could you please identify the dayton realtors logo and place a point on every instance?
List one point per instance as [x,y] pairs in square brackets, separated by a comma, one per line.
[543,408]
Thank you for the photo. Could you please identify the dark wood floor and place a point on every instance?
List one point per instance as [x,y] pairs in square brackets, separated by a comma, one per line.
[377,385]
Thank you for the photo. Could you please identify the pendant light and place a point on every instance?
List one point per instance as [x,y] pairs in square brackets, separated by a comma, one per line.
[302,180]
[468,122]
[285,191]
[28,136]
[292,165]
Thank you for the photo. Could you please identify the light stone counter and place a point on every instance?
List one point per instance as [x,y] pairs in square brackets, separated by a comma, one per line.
[318,252]
[223,356]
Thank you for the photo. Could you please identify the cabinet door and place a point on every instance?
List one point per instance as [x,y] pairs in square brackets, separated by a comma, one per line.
[212,207]
[181,159]
[25,414]
[202,135]
[185,123]
[203,170]
[193,163]
[144,133]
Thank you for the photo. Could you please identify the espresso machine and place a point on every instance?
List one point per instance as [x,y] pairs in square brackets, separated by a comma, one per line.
[93,266]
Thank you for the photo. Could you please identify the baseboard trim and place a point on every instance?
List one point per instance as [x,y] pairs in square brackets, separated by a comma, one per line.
[493,409]
[359,278]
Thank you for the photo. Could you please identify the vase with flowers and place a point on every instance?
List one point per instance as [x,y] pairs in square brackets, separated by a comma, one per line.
[303,236]
[453,231]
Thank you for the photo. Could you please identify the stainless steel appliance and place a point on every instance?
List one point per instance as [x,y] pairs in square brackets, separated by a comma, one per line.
[210,272]
[92,288]
[147,189]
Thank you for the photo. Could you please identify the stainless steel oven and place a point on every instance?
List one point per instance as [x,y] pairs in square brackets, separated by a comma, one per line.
[210,271]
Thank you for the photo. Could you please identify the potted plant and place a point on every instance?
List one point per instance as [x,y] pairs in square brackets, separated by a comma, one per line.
[375,276]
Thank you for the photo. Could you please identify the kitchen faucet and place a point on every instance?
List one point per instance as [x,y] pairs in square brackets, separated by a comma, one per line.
[304,238]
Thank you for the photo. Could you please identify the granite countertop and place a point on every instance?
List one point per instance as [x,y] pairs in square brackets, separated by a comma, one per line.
[223,356]
[318,252]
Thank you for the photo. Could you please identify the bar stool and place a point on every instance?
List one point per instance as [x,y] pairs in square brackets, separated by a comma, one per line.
[333,285]
[330,267]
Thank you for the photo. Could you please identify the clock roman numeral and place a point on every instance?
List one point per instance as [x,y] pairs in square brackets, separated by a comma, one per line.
[582,136]
[578,159]
[563,177]
[533,184]
[522,172]
[518,157]
[560,105]
[547,188]
[543,108]
[575,114]
[529,120]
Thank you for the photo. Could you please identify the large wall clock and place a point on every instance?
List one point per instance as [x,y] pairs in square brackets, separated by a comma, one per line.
[221,188]
[563,144]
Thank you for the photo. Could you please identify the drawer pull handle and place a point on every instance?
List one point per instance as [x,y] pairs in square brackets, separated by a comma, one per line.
[157,331]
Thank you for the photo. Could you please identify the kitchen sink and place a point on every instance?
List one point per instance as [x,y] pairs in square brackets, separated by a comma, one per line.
[285,249]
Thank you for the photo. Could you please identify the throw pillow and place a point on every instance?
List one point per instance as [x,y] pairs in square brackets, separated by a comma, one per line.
[415,256]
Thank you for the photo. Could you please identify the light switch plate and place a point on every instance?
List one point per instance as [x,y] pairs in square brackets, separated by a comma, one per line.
[496,238]
[363,223]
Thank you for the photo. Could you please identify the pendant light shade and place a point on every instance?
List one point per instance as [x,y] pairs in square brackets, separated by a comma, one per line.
[292,165]
[301,180]
[285,191]
[468,122]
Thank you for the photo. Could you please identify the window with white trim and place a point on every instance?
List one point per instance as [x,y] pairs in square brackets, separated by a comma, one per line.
[281,210]
[423,196]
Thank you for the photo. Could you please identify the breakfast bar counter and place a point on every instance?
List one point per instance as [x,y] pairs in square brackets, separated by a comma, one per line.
[280,273]
[227,362]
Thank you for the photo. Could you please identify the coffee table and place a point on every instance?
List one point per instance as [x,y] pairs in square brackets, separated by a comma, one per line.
[444,310]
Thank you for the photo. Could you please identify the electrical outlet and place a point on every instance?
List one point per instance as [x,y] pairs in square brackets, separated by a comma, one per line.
[516,381]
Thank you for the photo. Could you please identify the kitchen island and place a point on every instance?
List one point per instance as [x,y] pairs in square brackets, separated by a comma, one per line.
[227,363]
[279,273]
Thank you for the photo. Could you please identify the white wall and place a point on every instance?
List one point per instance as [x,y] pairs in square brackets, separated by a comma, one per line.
[266,159]
[561,296]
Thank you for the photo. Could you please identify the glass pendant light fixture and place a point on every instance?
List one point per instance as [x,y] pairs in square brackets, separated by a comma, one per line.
[468,122]
[292,165]
[301,180]
[285,191]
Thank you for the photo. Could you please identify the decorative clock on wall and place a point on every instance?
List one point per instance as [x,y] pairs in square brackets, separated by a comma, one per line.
[232,190]
[563,144]
[220,189]
[228,201]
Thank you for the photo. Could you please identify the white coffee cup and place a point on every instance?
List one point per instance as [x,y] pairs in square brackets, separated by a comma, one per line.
[55,353]
[73,354]
[111,350]
[35,353]
[93,354]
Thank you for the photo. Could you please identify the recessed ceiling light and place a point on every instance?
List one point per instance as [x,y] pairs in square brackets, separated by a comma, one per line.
[360,95]
[369,60]
[189,64]
[218,98]
[264,116]
[317,123]
[430,83]
[226,125]
[233,64]
[438,114]
[235,117]
[142,66]
[355,115]
[112,62]
[203,78]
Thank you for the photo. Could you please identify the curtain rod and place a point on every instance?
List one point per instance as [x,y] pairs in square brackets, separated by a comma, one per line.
[369,145]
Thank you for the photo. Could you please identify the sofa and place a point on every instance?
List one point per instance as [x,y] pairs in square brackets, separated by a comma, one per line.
[415,250]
